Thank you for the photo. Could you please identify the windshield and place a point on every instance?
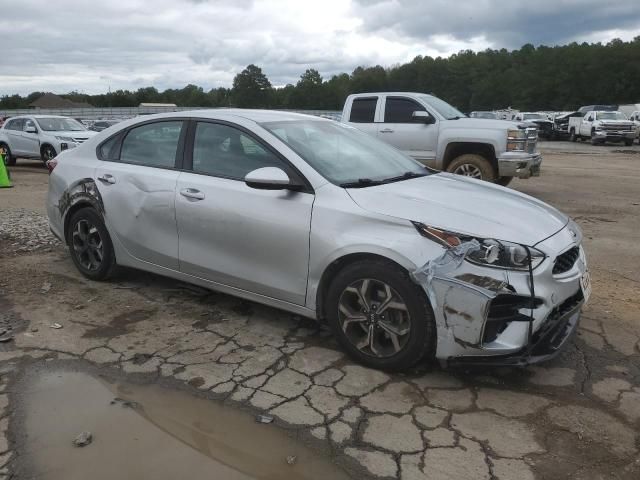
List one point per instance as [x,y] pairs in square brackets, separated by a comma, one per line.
[344,155]
[610,116]
[442,107]
[55,124]
[533,116]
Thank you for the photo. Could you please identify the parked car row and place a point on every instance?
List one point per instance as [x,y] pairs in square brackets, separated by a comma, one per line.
[597,123]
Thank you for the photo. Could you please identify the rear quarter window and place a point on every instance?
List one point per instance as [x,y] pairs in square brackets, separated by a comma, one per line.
[363,110]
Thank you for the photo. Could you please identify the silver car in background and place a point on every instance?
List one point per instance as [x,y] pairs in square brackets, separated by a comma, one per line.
[320,219]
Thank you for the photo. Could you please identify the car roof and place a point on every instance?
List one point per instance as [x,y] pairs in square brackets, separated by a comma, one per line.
[258,116]
[369,94]
[39,116]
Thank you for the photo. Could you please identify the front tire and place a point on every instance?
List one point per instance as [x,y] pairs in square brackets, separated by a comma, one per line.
[380,316]
[572,136]
[474,166]
[628,143]
[90,245]
[47,153]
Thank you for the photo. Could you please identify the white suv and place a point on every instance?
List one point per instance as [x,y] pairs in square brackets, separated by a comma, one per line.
[40,136]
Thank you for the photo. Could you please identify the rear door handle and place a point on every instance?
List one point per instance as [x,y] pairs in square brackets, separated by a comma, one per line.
[106,178]
[386,130]
[192,193]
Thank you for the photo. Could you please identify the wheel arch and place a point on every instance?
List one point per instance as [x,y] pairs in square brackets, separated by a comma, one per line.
[454,149]
[337,265]
[81,194]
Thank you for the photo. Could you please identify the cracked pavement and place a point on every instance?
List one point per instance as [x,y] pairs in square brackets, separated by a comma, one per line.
[576,417]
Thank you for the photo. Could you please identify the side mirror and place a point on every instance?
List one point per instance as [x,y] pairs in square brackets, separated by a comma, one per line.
[268,178]
[420,116]
[31,129]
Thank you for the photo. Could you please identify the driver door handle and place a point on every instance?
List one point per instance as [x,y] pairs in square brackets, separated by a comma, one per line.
[386,130]
[106,178]
[192,193]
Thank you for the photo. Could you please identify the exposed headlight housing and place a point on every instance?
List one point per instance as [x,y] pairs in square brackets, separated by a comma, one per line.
[65,139]
[492,253]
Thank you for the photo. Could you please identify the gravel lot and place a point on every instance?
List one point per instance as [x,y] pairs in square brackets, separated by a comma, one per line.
[576,417]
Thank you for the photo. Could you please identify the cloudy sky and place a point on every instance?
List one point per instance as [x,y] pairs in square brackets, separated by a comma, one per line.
[93,46]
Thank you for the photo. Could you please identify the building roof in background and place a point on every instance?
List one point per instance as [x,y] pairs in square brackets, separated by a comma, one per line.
[157,105]
[50,100]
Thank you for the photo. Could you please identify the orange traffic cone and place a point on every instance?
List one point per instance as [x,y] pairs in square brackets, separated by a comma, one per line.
[5,178]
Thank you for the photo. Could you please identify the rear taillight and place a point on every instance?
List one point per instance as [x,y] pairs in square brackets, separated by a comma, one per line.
[51,164]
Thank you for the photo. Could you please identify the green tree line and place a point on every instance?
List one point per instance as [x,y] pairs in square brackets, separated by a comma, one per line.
[531,78]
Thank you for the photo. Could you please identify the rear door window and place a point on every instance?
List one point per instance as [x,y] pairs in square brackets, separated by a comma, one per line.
[363,110]
[400,110]
[15,124]
[152,144]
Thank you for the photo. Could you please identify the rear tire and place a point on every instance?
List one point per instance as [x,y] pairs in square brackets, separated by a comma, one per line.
[9,160]
[473,165]
[357,318]
[504,181]
[90,245]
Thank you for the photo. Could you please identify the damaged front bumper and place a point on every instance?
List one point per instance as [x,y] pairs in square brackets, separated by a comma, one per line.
[495,316]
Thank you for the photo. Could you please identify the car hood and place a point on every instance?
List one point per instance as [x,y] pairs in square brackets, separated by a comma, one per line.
[617,122]
[73,134]
[485,123]
[464,205]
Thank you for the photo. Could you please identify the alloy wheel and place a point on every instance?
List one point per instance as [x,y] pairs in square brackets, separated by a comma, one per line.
[468,170]
[87,245]
[374,318]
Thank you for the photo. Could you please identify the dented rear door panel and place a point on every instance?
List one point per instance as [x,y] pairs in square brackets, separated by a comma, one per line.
[139,208]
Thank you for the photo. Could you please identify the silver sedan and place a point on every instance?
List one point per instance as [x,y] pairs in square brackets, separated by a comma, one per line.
[314,217]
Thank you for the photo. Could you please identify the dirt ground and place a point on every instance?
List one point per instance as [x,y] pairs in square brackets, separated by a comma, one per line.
[576,417]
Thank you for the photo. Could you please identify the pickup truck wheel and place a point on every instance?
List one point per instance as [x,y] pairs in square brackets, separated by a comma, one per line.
[572,136]
[8,158]
[628,143]
[504,181]
[472,165]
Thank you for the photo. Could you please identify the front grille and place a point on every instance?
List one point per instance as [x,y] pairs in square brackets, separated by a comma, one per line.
[566,260]
[618,128]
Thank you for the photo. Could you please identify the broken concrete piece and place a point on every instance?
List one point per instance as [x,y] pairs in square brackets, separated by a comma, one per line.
[82,440]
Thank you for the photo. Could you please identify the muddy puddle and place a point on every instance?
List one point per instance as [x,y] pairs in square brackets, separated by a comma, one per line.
[153,432]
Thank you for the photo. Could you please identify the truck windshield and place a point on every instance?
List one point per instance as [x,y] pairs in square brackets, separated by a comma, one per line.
[442,107]
[344,155]
[610,116]
[54,124]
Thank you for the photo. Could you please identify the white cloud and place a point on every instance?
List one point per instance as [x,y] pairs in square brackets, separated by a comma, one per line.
[77,45]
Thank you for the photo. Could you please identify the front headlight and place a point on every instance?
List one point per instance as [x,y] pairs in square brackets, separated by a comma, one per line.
[516,139]
[65,139]
[516,134]
[491,252]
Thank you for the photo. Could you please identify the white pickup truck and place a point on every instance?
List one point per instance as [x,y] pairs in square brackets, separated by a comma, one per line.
[40,136]
[436,134]
[602,126]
